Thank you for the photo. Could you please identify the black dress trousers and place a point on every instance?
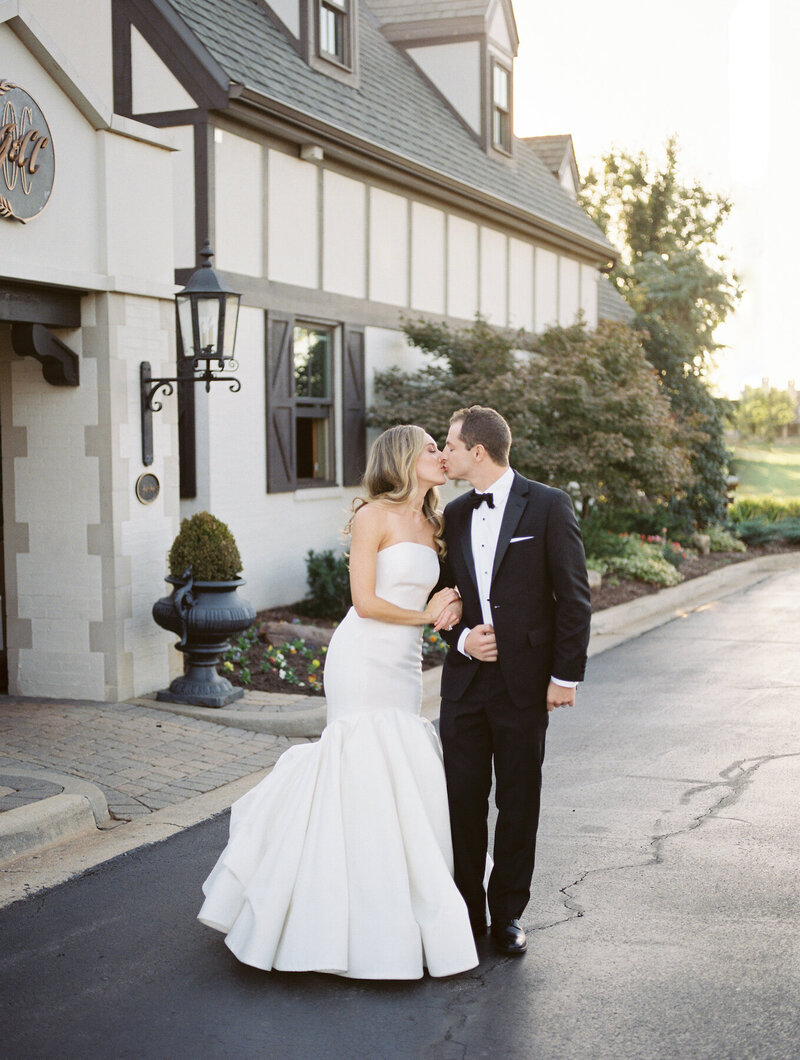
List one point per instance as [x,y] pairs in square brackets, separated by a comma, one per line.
[485,724]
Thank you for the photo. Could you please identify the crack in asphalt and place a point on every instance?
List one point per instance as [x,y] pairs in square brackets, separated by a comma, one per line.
[735,778]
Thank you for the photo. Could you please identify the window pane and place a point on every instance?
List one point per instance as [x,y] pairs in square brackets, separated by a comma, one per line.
[500,130]
[501,87]
[313,448]
[312,362]
[331,31]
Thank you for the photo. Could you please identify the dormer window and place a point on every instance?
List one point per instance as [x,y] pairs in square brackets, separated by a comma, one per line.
[334,31]
[501,108]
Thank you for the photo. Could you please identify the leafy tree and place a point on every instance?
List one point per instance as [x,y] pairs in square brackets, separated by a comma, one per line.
[585,408]
[681,287]
[762,411]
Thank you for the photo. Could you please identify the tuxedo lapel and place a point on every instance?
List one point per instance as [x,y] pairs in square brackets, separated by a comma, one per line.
[465,541]
[515,506]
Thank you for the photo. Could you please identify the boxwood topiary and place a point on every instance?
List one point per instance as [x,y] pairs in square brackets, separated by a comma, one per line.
[207,544]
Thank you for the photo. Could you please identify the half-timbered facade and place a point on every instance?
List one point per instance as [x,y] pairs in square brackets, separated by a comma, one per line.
[352,162]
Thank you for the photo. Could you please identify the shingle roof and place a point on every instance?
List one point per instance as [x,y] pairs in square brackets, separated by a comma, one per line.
[551,149]
[393,107]
[425,10]
[610,303]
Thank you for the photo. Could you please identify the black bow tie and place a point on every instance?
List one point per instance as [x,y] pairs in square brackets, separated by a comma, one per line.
[477,499]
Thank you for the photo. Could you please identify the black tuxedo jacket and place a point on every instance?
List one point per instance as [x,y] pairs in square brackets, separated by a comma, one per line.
[539,596]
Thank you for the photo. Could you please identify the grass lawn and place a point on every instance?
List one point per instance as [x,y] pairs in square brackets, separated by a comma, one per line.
[767,471]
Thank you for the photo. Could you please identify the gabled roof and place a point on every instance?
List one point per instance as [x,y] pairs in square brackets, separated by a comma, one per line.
[394,108]
[426,10]
[610,303]
[553,150]
[403,20]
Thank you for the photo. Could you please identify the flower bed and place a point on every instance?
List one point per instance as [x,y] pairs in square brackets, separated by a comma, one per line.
[295,665]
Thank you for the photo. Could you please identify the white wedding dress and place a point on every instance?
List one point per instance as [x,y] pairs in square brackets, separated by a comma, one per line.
[340,860]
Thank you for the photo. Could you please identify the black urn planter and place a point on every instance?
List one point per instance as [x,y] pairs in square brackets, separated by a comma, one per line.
[205,615]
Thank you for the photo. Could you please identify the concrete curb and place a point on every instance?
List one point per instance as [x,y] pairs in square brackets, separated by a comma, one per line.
[80,808]
[30,828]
[306,723]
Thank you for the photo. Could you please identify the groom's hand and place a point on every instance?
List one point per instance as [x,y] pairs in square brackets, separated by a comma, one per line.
[559,696]
[481,644]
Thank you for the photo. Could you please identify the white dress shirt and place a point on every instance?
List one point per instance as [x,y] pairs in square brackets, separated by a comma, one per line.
[485,531]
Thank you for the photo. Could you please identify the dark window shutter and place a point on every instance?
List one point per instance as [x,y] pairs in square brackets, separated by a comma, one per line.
[281,463]
[354,407]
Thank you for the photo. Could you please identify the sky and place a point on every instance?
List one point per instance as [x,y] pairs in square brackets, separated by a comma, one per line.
[721,75]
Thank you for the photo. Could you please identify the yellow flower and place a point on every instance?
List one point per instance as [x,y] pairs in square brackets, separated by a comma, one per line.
[227,666]
[315,663]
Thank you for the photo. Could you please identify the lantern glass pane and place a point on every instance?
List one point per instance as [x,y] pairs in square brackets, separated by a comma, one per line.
[185,319]
[208,322]
[231,315]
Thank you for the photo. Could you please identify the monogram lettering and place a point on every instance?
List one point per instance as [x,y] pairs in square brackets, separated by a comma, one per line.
[27,162]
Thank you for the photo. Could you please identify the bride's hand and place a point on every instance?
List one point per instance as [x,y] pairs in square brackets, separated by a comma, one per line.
[437,604]
[450,617]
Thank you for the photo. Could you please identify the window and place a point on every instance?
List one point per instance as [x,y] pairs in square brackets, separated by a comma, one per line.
[315,378]
[313,369]
[501,108]
[334,30]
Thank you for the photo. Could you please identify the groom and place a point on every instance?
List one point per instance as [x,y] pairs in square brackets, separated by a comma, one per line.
[514,551]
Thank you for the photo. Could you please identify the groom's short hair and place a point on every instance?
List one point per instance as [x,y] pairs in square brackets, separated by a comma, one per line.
[486,427]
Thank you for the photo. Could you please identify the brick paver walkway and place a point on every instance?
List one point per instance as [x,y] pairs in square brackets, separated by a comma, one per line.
[142,759]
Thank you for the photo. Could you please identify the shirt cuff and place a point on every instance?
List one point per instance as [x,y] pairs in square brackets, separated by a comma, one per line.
[564,684]
[461,640]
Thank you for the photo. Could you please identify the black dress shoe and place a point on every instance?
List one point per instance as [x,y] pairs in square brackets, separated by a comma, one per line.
[509,938]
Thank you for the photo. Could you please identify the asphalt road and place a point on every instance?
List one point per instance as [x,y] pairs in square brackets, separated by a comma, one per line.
[663,923]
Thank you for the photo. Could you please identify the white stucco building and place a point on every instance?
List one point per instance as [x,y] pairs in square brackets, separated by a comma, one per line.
[351,161]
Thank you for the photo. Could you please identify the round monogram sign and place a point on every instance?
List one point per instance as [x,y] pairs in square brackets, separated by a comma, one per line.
[27,159]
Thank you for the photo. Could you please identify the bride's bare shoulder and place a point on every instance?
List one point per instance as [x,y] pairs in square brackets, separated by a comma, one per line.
[371,515]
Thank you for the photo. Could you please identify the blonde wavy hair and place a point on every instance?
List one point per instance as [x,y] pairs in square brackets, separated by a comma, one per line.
[391,476]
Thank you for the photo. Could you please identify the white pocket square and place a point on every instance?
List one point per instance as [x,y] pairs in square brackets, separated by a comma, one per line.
[514,540]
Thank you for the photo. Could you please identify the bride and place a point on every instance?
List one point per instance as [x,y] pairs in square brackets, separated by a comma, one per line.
[341,860]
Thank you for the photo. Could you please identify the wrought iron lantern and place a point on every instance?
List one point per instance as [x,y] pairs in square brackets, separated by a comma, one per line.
[207,314]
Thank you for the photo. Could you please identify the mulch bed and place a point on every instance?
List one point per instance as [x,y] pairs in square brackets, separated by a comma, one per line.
[269,680]
[628,589]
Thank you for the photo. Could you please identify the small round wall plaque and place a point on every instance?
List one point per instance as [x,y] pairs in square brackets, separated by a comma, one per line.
[147,488]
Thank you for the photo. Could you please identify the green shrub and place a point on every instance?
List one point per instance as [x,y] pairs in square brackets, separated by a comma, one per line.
[593,563]
[723,540]
[652,568]
[328,577]
[600,542]
[766,508]
[760,531]
[205,544]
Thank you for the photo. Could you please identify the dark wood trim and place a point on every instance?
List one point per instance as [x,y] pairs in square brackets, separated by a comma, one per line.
[121,58]
[177,47]
[187,431]
[30,303]
[167,119]
[204,212]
